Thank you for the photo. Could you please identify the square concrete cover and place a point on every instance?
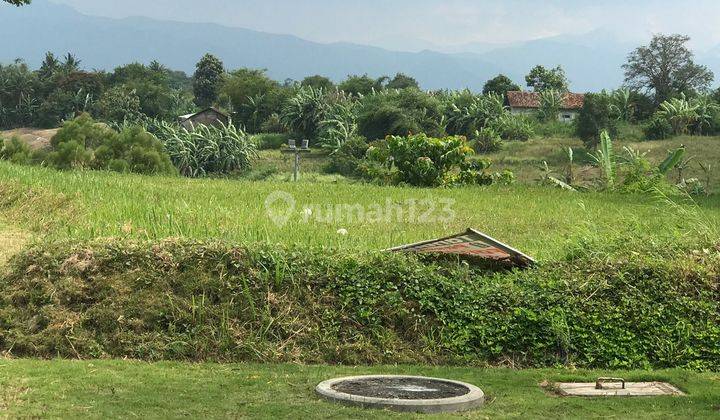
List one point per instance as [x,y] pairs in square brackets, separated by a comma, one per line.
[632,389]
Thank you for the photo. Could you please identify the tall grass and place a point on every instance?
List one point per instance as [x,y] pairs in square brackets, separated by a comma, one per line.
[540,221]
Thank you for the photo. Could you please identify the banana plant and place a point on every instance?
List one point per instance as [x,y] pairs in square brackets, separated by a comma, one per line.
[550,103]
[674,159]
[606,160]
[621,105]
[680,113]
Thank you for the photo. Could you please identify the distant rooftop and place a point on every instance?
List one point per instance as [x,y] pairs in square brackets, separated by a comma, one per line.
[518,99]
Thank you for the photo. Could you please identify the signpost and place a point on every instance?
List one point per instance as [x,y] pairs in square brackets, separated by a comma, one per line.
[293,149]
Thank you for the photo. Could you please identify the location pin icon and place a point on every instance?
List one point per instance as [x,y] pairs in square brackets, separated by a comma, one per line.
[279,206]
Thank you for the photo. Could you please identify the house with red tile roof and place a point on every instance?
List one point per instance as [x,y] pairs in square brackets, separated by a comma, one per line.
[529,103]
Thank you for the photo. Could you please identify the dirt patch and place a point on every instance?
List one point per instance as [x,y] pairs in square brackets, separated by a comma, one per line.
[35,138]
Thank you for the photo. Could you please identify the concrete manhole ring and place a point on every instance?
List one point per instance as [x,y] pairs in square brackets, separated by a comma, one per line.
[403,393]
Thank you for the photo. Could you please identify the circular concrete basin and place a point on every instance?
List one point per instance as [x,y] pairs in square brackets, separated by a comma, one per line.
[403,393]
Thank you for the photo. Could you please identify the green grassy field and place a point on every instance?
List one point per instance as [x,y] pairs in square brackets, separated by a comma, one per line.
[538,220]
[126,389]
[41,204]
[526,159]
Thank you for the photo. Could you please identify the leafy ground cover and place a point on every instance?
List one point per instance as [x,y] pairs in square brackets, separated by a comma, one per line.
[216,302]
[112,389]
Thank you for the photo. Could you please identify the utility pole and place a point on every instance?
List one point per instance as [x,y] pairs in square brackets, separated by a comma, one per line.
[293,149]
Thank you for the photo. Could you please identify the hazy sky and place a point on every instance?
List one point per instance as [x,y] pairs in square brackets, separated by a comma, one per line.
[416,23]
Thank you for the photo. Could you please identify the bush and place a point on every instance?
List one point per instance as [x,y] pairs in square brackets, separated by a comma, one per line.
[658,128]
[217,302]
[270,141]
[424,161]
[16,151]
[486,140]
[134,150]
[595,117]
[84,131]
[346,159]
[85,144]
[477,172]
[513,127]
[554,128]
[399,113]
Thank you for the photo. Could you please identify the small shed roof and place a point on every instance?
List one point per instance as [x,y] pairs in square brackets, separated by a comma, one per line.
[517,99]
[183,118]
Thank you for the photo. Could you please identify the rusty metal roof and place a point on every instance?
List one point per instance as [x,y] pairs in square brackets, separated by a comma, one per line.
[517,99]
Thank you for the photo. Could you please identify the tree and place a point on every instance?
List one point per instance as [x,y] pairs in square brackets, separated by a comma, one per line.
[541,79]
[402,81]
[666,68]
[207,79]
[318,82]
[500,85]
[152,86]
[595,118]
[253,96]
[18,2]
[362,85]
[49,66]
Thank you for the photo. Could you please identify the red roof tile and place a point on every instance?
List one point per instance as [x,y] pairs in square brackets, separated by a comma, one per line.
[532,100]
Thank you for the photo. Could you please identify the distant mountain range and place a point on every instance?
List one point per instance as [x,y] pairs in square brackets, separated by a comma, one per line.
[592,61]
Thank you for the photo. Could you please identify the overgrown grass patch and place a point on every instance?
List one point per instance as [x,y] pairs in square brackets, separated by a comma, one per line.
[542,222]
[213,301]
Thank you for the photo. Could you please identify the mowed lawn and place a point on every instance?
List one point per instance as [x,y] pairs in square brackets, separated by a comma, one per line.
[539,220]
[128,389]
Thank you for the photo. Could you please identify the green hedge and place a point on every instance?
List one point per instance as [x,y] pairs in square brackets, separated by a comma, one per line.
[214,301]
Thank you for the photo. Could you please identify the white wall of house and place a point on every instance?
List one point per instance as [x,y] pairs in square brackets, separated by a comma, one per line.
[566,116]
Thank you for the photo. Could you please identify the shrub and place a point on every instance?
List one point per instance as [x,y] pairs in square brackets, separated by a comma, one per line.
[134,150]
[348,157]
[424,161]
[85,144]
[513,127]
[477,172]
[399,113]
[486,140]
[270,141]
[658,128]
[16,151]
[595,117]
[84,131]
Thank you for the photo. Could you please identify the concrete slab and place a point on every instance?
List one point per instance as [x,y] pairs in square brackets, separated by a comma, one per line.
[616,389]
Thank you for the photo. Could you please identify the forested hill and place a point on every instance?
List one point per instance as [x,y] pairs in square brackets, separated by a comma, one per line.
[592,61]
